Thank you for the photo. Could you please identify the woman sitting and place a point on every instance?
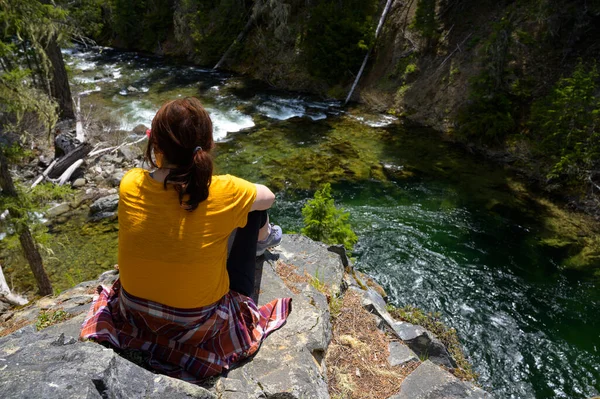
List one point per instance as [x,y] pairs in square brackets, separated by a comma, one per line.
[180,297]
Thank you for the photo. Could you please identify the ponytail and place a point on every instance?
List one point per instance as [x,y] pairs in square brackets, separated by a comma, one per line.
[182,134]
[192,181]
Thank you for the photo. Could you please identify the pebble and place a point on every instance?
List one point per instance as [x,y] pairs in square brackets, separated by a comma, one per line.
[79,182]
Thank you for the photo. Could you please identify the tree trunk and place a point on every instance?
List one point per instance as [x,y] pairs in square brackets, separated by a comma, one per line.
[35,261]
[364,64]
[45,86]
[59,84]
[27,244]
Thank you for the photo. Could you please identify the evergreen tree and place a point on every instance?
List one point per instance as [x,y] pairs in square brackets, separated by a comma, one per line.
[37,28]
[32,74]
[323,221]
[567,124]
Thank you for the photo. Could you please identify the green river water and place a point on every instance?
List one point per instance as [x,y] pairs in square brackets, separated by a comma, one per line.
[438,228]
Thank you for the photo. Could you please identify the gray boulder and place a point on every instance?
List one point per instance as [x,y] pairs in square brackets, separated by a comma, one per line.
[401,354]
[75,301]
[58,210]
[420,340]
[290,363]
[79,182]
[424,343]
[429,381]
[43,365]
[105,204]
[313,258]
[140,129]
[116,178]
[130,152]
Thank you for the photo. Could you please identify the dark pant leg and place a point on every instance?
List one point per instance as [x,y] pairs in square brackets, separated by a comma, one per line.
[241,262]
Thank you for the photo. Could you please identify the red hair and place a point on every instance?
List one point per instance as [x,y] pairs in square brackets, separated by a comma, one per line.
[182,133]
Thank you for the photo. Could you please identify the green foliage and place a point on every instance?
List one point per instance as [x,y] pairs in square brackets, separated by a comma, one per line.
[157,23]
[567,122]
[88,16]
[405,67]
[335,306]
[19,99]
[324,222]
[448,336]
[30,202]
[410,68]
[319,284]
[127,20]
[209,27]
[46,192]
[337,37]
[489,114]
[47,318]
[142,24]
[28,25]
[425,21]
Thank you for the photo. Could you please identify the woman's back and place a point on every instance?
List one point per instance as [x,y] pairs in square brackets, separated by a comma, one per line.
[173,256]
[180,297]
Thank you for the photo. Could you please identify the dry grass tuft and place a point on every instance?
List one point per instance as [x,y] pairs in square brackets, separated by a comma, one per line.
[12,326]
[290,276]
[357,358]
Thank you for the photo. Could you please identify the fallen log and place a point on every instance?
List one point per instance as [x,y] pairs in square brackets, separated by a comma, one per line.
[64,162]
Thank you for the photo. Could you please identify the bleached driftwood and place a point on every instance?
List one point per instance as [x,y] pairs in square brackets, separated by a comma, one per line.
[67,173]
[115,148]
[8,296]
[79,130]
[44,174]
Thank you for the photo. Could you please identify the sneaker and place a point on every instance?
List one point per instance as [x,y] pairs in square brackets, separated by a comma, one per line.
[272,240]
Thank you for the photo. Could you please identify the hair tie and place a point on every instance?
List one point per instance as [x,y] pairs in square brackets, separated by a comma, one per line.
[197,149]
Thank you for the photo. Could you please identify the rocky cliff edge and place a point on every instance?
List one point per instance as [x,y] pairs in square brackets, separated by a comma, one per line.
[292,363]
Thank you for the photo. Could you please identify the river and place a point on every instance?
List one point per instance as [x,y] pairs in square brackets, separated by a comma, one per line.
[438,228]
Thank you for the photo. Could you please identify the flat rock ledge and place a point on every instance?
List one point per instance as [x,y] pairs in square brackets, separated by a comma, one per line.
[52,363]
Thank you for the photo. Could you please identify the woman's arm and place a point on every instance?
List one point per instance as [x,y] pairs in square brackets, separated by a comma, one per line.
[264,198]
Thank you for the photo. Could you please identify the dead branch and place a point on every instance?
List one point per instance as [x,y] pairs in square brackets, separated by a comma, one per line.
[67,173]
[8,296]
[115,148]
[79,130]
[44,174]
[455,50]
[364,64]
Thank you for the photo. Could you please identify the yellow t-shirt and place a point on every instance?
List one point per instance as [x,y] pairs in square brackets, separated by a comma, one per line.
[173,256]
